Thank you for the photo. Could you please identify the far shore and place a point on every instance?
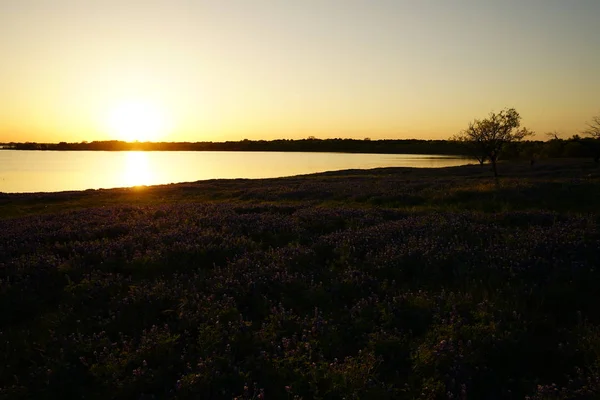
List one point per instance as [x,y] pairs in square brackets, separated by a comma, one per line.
[383,146]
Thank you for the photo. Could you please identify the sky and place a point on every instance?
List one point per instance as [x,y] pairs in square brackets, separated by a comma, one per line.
[176,70]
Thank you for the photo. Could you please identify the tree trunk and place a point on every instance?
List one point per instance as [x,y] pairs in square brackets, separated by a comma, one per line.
[493,160]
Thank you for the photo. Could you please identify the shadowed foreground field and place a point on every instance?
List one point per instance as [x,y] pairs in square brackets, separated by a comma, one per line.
[388,283]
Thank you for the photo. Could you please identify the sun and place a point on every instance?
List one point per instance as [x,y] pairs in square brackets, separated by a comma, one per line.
[137,120]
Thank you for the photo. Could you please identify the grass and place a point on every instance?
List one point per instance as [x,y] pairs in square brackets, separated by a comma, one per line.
[385,283]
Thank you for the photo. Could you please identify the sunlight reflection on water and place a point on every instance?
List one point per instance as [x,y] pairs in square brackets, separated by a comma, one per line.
[137,170]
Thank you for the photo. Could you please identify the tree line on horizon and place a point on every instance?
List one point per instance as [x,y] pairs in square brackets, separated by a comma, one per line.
[555,147]
[310,144]
[500,135]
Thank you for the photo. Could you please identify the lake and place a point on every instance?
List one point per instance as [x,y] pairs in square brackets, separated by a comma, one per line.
[51,171]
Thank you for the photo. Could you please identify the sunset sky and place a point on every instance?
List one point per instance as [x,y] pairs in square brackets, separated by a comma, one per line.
[233,69]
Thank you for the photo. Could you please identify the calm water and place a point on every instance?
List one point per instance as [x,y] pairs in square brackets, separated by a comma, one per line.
[50,171]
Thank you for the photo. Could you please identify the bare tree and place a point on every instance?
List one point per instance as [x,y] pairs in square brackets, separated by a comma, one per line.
[488,136]
[592,143]
[593,128]
[553,135]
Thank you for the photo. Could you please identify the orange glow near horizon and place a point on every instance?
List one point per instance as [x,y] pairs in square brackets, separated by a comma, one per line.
[214,71]
[137,120]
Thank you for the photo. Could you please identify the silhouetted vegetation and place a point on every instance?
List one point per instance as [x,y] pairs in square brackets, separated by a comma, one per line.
[392,283]
[592,143]
[486,138]
[593,127]
[573,147]
[303,145]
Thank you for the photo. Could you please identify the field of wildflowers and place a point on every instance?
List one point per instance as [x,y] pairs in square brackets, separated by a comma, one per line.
[388,284]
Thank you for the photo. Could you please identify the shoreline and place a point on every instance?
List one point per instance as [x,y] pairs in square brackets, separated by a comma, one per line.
[286,189]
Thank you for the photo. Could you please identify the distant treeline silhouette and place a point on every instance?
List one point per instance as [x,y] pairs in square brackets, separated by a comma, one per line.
[555,148]
[302,145]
